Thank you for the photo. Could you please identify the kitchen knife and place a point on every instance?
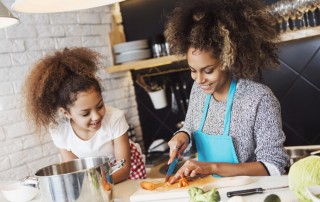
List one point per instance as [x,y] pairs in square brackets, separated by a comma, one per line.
[171,169]
[251,191]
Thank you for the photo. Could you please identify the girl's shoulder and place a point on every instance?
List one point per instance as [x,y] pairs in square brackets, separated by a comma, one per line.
[112,112]
[113,116]
[61,130]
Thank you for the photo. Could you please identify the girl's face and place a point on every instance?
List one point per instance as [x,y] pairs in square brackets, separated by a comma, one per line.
[205,71]
[86,113]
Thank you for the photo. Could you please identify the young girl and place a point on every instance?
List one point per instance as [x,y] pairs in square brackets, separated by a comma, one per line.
[63,96]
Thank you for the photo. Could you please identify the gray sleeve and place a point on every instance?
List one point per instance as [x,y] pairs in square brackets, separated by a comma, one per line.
[268,132]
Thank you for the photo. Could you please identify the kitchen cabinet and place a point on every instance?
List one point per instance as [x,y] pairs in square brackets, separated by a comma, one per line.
[155,62]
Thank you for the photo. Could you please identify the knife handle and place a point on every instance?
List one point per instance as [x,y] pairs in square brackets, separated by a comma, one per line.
[245,192]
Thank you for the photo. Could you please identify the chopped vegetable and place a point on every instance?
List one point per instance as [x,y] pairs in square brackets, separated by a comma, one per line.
[148,185]
[272,198]
[303,173]
[198,195]
[194,191]
[183,182]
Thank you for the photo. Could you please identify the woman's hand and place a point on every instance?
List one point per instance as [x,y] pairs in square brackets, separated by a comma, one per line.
[192,168]
[177,145]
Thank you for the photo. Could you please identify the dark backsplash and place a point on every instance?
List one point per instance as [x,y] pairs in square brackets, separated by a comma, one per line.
[297,86]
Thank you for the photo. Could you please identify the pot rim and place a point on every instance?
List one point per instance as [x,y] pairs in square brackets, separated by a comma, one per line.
[105,160]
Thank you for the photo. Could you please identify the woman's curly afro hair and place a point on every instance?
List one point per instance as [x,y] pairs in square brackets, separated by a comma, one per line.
[56,80]
[242,34]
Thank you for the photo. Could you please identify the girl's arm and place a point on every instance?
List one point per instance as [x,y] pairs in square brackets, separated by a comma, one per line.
[67,155]
[122,151]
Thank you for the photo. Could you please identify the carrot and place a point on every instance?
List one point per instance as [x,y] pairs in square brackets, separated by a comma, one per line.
[148,185]
[183,182]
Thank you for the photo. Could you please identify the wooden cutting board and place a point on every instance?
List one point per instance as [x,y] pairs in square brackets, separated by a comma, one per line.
[174,192]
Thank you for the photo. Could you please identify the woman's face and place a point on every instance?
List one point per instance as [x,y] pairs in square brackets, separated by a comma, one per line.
[205,71]
[87,112]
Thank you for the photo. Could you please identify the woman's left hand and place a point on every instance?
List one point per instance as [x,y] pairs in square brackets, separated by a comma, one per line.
[192,168]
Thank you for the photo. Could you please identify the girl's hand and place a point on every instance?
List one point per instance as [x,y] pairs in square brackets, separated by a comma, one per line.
[192,168]
[177,145]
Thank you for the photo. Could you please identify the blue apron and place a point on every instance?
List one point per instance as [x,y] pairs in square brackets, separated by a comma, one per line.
[216,148]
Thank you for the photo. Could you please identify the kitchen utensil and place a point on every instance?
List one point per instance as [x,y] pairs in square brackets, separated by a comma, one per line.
[180,99]
[171,168]
[252,191]
[81,180]
[16,192]
[184,87]
[159,145]
[174,105]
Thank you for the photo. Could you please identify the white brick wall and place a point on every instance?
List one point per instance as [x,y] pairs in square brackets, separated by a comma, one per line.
[22,152]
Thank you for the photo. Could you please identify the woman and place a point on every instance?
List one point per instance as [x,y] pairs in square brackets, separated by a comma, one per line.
[234,121]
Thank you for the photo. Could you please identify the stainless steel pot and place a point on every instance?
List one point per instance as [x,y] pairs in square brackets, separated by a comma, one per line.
[80,180]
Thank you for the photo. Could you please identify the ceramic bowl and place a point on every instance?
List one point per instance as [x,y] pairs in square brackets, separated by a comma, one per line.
[15,192]
[314,193]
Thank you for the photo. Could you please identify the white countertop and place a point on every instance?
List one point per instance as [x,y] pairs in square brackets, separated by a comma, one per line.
[125,189]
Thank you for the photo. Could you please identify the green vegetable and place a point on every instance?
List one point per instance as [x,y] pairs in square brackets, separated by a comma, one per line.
[194,191]
[198,195]
[318,196]
[303,173]
[272,198]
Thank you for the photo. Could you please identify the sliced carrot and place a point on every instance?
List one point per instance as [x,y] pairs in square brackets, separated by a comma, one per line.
[183,182]
[148,185]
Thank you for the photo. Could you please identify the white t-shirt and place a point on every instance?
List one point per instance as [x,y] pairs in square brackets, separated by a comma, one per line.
[113,125]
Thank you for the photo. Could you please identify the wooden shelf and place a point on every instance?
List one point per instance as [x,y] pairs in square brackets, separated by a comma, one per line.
[154,62]
[299,34]
[143,64]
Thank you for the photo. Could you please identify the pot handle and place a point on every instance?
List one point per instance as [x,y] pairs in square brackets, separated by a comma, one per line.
[30,181]
[116,166]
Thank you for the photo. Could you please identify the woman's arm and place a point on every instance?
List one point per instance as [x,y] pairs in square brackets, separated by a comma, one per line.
[192,168]
[122,151]
[67,155]
[269,136]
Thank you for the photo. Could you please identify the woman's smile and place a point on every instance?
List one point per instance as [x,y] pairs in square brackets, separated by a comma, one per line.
[205,87]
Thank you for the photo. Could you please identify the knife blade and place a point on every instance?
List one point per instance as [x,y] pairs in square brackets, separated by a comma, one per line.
[258,190]
[171,168]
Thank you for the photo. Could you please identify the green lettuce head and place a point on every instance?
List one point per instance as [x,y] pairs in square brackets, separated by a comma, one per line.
[304,173]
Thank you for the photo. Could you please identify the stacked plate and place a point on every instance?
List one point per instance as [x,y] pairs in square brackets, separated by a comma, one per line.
[132,51]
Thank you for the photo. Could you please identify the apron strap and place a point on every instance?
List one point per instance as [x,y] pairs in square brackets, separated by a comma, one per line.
[227,119]
[205,111]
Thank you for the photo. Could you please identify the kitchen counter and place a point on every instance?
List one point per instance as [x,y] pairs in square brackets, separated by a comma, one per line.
[125,189]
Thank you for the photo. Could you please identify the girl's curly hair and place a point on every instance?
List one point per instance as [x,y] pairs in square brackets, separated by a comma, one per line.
[240,33]
[55,82]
